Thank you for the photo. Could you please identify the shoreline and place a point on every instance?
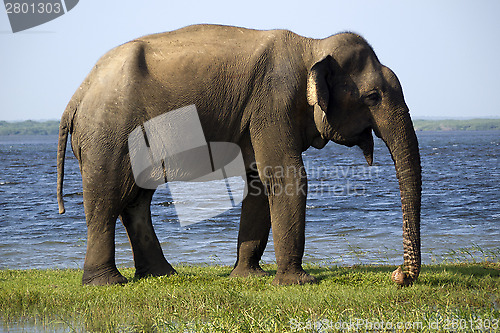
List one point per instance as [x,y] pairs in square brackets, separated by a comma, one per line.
[51,127]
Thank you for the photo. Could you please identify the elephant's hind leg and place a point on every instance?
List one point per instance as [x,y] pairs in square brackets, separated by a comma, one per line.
[255,224]
[99,267]
[148,255]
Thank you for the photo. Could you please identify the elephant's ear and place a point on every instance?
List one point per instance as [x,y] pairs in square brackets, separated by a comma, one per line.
[317,83]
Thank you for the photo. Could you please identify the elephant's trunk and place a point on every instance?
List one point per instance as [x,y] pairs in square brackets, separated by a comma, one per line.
[398,134]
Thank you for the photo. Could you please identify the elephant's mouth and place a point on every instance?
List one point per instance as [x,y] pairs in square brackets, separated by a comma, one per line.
[364,140]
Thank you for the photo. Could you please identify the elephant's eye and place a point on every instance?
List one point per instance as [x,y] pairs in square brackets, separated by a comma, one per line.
[373,98]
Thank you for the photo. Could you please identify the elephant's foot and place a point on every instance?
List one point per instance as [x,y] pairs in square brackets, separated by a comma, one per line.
[102,277]
[402,279]
[293,277]
[247,270]
[156,270]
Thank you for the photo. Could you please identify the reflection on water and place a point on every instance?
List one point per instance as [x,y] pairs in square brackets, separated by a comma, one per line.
[33,326]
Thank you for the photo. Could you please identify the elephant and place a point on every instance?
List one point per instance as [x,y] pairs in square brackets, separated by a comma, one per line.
[275,94]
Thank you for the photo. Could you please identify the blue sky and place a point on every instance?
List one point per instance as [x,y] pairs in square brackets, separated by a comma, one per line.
[446,53]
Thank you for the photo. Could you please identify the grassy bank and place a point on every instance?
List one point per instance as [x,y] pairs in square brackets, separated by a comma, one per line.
[204,299]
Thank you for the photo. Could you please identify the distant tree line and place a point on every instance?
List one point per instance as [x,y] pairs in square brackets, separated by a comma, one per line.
[29,127]
[457,125]
[51,127]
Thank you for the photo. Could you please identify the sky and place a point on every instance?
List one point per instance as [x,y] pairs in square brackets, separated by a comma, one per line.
[445,53]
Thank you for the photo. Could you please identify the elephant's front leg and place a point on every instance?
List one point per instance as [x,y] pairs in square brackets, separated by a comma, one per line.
[287,200]
[255,224]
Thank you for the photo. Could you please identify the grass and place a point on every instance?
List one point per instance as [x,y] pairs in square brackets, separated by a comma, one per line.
[204,299]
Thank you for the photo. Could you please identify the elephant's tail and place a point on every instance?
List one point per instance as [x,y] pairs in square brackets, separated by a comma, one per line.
[61,155]
[65,128]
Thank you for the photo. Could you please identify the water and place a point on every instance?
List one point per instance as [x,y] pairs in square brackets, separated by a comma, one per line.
[353,211]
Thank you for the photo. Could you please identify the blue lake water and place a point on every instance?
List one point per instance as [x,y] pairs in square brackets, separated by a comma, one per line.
[353,211]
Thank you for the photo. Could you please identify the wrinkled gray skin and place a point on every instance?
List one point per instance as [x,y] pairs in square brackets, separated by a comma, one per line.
[273,93]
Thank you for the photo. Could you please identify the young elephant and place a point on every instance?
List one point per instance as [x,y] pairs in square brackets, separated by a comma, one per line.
[273,93]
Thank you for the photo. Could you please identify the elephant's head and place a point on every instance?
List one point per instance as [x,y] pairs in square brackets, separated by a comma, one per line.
[352,93]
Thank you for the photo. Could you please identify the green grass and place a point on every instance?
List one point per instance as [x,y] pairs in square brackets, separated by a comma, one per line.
[204,299]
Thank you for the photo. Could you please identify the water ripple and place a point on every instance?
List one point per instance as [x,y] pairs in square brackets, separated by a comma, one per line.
[460,208]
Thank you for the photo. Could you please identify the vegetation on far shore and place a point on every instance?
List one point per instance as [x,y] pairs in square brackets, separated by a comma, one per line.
[29,127]
[457,125]
[51,127]
[446,297]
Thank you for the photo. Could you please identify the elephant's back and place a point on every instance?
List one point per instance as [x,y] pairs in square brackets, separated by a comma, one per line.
[213,41]
[208,34]
[148,76]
